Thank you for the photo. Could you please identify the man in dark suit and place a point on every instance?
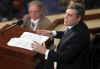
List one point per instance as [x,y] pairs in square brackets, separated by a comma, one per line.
[72,51]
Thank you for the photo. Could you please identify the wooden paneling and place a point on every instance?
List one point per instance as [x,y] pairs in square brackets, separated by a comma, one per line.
[13,57]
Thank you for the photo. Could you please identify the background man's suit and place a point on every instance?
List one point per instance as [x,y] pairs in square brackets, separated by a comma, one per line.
[72,51]
[43,23]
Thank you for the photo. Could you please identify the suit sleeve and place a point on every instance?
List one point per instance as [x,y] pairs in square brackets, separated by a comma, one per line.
[70,50]
[59,34]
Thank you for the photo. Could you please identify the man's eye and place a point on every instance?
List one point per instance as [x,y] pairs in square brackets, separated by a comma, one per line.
[70,15]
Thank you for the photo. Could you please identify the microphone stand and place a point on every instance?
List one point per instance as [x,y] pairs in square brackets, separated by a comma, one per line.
[10,27]
[20,22]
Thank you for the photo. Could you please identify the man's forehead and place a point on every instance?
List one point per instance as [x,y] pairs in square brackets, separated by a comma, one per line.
[70,10]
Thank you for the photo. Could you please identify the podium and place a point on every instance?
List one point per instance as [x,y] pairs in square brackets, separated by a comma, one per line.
[13,57]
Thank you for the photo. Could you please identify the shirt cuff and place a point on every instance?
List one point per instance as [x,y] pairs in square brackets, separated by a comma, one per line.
[54,33]
[46,53]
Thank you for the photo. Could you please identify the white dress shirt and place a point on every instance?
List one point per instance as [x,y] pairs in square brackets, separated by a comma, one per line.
[35,23]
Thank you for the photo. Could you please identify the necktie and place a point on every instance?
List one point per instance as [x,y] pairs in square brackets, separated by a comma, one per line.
[32,26]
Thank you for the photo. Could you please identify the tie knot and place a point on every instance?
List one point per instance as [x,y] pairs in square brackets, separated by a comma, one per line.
[68,28]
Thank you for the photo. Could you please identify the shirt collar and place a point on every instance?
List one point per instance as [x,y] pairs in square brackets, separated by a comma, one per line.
[69,27]
[35,21]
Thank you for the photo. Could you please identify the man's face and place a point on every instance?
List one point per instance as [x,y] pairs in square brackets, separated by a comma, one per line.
[71,17]
[35,12]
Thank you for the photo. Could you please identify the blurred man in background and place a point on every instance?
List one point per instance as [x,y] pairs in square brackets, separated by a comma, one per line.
[35,19]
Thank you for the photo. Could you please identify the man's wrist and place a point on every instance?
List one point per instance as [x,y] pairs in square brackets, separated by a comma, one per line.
[54,33]
[50,32]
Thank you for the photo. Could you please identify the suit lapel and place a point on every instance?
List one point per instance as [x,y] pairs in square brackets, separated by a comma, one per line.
[40,23]
[67,35]
[65,38]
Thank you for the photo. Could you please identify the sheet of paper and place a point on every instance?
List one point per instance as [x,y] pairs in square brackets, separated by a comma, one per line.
[26,39]
[34,37]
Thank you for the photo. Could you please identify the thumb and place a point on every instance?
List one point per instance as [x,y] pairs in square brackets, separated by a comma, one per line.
[44,44]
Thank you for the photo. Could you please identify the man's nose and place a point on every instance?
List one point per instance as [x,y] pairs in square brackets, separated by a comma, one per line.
[66,16]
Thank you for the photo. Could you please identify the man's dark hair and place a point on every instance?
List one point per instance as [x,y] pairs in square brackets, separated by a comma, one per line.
[79,8]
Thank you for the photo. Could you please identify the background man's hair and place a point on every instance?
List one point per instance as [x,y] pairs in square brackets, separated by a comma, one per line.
[38,3]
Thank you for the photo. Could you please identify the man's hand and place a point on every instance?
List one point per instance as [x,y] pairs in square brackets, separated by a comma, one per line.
[39,48]
[44,32]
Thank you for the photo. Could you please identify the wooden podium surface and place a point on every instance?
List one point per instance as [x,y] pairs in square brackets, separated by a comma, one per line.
[13,57]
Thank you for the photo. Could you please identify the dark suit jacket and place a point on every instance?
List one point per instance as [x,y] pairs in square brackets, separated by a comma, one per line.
[72,51]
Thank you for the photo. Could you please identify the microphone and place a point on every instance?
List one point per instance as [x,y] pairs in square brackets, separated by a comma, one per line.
[20,22]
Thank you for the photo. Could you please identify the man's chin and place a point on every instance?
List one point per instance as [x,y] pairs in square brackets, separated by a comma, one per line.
[67,24]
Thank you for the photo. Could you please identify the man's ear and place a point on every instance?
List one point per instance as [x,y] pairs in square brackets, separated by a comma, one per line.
[79,18]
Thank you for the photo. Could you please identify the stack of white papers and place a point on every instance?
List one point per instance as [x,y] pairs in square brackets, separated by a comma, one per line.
[26,40]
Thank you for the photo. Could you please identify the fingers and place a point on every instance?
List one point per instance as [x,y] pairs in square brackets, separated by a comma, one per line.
[40,31]
[44,44]
[38,48]
[35,44]
[44,32]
